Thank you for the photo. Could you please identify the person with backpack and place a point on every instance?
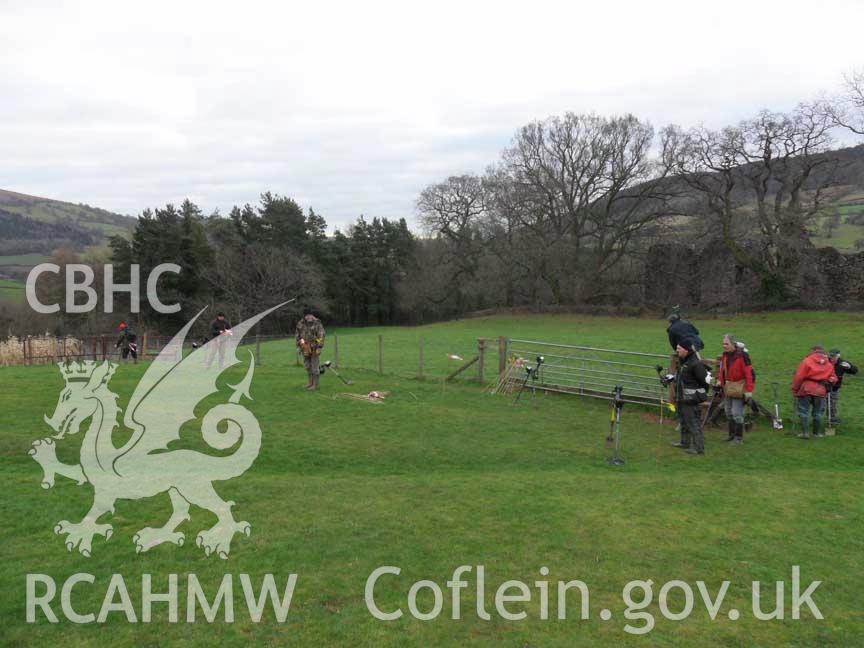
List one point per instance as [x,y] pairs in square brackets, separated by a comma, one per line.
[691,389]
[737,380]
[841,368]
[127,342]
[813,378]
[680,329]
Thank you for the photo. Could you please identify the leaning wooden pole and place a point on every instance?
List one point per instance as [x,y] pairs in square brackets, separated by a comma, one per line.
[462,368]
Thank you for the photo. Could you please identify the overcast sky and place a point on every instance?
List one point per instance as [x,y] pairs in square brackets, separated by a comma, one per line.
[352,108]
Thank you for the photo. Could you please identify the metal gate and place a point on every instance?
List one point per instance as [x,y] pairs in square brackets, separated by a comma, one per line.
[594,372]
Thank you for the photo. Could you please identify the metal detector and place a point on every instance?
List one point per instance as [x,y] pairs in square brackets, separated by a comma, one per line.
[531,373]
[777,423]
[329,365]
[830,430]
[614,437]
[758,408]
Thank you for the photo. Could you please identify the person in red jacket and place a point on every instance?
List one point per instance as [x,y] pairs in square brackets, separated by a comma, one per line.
[737,381]
[814,376]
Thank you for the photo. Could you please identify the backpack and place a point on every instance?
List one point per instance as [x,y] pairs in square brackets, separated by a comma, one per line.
[747,361]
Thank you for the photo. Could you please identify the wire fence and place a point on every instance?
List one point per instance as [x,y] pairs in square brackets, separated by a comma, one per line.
[481,360]
[406,353]
[45,349]
[400,353]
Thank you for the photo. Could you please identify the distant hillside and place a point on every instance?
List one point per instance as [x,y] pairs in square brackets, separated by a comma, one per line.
[47,210]
[31,228]
[841,221]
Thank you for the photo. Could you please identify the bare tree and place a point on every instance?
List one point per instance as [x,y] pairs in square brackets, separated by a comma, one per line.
[848,109]
[762,182]
[256,277]
[586,186]
[452,210]
[506,242]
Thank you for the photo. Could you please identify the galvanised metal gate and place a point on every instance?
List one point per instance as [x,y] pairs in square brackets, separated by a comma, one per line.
[592,371]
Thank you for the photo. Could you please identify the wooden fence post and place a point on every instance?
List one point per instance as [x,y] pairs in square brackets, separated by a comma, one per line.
[336,351]
[380,354]
[420,366]
[502,355]
[144,346]
[481,354]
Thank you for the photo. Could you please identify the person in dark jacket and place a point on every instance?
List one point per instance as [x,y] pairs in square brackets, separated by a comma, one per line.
[677,331]
[691,389]
[219,328]
[737,381]
[219,325]
[127,342]
[841,368]
[680,329]
[814,376]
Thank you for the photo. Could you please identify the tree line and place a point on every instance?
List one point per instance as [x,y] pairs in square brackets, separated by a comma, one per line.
[265,254]
[566,215]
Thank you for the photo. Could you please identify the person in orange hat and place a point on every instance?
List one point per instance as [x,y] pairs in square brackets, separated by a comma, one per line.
[127,342]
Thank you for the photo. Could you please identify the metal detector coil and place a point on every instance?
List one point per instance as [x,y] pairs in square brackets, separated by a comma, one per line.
[329,365]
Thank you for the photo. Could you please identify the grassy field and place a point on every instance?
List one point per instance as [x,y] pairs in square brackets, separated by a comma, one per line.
[437,478]
[23,259]
[846,234]
[11,291]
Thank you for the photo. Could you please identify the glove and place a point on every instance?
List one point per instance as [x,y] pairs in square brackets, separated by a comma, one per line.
[748,396]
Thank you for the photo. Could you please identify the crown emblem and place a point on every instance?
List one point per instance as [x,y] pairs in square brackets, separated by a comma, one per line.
[77,371]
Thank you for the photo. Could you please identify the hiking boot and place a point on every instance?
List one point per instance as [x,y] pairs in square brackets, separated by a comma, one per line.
[818,435]
[694,451]
[803,435]
[679,444]
[738,441]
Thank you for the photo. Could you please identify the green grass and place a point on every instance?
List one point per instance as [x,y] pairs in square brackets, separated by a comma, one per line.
[23,259]
[436,478]
[11,291]
[846,234]
[843,238]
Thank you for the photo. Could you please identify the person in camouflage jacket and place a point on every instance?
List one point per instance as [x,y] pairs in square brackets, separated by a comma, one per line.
[310,340]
